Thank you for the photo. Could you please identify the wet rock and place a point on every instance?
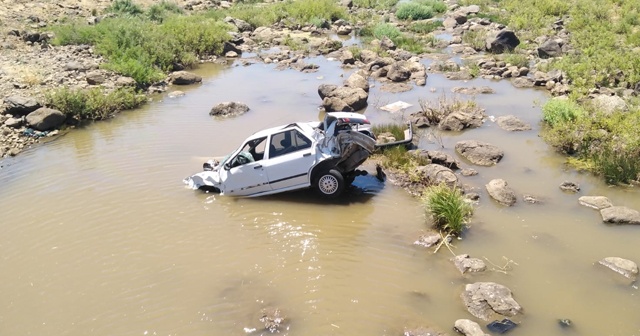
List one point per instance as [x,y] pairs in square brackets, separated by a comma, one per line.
[505,40]
[45,119]
[466,264]
[625,267]
[512,123]
[347,57]
[428,240]
[421,331]
[345,99]
[184,78]
[523,82]
[549,48]
[473,90]
[437,157]
[469,172]
[460,120]
[175,94]
[499,190]
[229,109]
[468,328]
[486,299]
[569,186]
[19,105]
[480,153]
[437,174]
[13,122]
[344,30]
[398,73]
[565,323]
[531,199]
[273,319]
[357,81]
[595,202]
[620,215]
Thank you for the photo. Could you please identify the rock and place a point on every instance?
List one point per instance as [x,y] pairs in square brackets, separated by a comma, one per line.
[19,105]
[243,26]
[570,186]
[620,215]
[499,190]
[421,331]
[184,78]
[95,78]
[472,90]
[347,57]
[45,119]
[437,174]
[550,48]
[523,82]
[357,81]
[466,264]
[505,40]
[175,94]
[75,66]
[428,240]
[596,202]
[625,267]
[512,123]
[468,328]
[325,90]
[229,109]
[531,199]
[459,120]
[344,30]
[480,153]
[485,299]
[469,172]
[125,81]
[13,122]
[345,99]
[273,320]
[395,87]
[437,157]
[398,73]
[609,104]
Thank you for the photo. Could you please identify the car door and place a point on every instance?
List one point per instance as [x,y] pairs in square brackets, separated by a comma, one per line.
[291,155]
[243,173]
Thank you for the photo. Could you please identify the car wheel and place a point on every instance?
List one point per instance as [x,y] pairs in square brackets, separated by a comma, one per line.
[330,183]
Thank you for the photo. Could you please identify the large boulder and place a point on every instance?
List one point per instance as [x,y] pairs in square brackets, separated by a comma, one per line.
[243,26]
[505,40]
[625,267]
[19,105]
[184,78]
[550,48]
[437,174]
[500,191]
[480,153]
[485,300]
[344,99]
[620,215]
[357,81]
[45,119]
[459,120]
[229,109]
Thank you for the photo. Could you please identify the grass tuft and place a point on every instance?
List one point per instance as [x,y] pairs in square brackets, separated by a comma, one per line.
[448,208]
[93,104]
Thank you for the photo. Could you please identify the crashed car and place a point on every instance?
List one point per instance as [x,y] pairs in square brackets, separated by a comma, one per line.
[321,155]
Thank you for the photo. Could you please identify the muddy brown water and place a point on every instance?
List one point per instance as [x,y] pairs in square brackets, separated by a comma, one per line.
[98,235]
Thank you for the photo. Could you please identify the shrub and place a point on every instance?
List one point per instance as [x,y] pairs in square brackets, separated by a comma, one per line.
[386,30]
[617,166]
[557,111]
[438,6]
[396,129]
[93,104]
[414,11]
[519,60]
[475,38]
[125,7]
[158,12]
[425,27]
[376,4]
[447,207]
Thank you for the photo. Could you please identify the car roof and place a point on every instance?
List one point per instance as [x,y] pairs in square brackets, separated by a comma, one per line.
[305,127]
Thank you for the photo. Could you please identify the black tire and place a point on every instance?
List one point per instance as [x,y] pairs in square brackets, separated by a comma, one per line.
[330,183]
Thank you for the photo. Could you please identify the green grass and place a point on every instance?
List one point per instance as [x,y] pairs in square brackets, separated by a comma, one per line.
[557,111]
[448,208]
[160,11]
[414,11]
[294,12]
[394,128]
[93,104]
[125,7]
[375,4]
[515,59]
[425,27]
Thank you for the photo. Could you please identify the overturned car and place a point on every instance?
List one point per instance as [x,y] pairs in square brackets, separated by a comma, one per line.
[323,155]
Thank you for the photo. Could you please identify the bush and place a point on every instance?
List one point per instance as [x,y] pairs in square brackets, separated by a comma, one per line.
[386,30]
[396,129]
[425,27]
[557,111]
[376,4]
[125,7]
[93,104]
[158,12]
[414,11]
[448,208]
[438,6]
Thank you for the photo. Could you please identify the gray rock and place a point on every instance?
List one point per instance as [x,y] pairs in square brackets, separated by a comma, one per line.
[13,122]
[608,104]
[345,99]
[523,82]
[596,202]
[469,172]
[436,174]
[95,78]
[184,78]
[625,267]
[175,94]
[428,240]
[243,26]
[480,153]
[468,328]
[75,66]
[325,90]
[499,190]
[229,109]
[505,40]
[620,215]
[398,73]
[459,120]
[19,105]
[45,119]
[437,157]
[357,81]
[569,186]
[512,123]
[485,299]
[125,81]
[466,264]
[347,57]
[550,48]
[395,87]
[472,90]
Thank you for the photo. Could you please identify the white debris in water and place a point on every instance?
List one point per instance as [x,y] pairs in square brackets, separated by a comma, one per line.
[249,330]
[395,107]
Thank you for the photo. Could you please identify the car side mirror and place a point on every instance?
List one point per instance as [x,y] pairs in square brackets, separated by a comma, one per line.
[227,166]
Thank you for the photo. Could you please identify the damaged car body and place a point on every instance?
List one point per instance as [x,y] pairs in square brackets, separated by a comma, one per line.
[321,155]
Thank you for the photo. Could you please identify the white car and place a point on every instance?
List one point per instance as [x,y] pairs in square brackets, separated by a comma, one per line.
[323,155]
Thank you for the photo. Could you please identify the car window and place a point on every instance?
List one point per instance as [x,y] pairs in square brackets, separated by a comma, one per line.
[252,151]
[288,142]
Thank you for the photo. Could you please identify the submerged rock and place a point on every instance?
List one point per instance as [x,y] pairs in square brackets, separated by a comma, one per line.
[273,319]
[595,202]
[466,264]
[512,123]
[570,186]
[229,109]
[499,190]
[486,299]
[625,267]
[620,215]
[468,328]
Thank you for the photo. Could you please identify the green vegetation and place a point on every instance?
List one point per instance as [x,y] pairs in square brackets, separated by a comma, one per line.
[125,7]
[401,40]
[293,12]
[448,208]
[475,38]
[146,50]
[435,112]
[376,4]
[557,111]
[425,27]
[515,59]
[398,158]
[159,12]
[396,129]
[420,9]
[93,104]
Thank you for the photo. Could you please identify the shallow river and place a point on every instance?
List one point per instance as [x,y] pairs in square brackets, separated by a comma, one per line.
[98,235]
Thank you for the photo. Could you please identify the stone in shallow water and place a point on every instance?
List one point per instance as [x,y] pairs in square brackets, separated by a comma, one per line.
[596,202]
[625,267]
[466,264]
[485,299]
[620,215]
